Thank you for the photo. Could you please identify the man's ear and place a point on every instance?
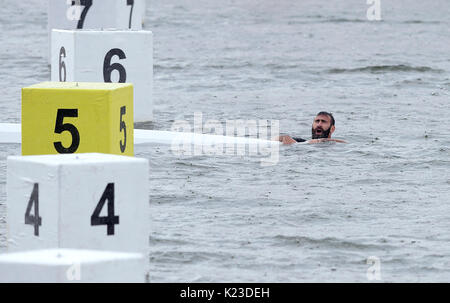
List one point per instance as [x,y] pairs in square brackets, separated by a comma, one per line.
[331,131]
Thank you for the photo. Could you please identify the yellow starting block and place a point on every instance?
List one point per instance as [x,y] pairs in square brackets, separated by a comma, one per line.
[77,117]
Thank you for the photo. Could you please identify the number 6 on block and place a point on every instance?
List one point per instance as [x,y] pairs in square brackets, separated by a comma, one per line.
[67,117]
[112,56]
[86,201]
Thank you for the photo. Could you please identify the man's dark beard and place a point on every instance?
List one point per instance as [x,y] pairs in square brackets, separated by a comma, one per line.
[324,134]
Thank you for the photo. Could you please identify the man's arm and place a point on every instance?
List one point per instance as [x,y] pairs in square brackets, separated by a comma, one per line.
[313,141]
[285,139]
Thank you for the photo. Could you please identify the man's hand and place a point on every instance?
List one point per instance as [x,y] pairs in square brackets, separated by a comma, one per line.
[285,139]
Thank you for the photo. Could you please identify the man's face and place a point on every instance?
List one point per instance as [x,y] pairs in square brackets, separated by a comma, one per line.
[321,127]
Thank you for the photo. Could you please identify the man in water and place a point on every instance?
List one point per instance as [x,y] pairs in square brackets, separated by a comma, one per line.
[322,128]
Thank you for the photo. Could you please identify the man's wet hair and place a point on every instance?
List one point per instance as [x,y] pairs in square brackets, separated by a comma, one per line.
[329,115]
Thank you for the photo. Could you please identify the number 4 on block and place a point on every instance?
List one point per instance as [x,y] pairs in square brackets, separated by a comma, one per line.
[110,220]
[69,117]
[86,201]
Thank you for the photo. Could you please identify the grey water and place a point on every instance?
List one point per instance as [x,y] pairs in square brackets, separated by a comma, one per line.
[323,210]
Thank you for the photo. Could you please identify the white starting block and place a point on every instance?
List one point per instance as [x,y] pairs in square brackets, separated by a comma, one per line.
[72,266]
[107,56]
[81,201]
[95,14]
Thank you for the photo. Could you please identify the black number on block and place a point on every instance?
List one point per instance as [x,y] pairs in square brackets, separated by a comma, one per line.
[62,64]
[110,220]
[130,2]
[34,220]
[61,127]
[87,5]
[108,67]
[123,126]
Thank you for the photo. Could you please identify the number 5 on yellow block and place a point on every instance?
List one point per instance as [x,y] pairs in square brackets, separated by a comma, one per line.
[69,117]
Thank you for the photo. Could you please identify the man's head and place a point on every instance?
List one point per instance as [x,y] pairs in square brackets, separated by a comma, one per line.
[323,126]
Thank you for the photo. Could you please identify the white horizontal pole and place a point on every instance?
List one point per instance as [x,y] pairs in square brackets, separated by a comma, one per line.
[11,133]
